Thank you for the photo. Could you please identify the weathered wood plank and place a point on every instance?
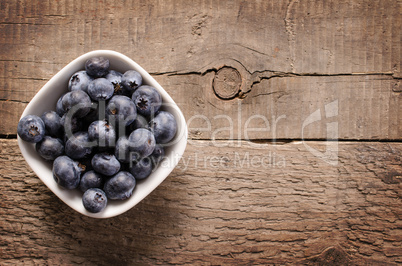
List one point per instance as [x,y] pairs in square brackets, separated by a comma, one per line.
[238,204]
[364,107]
[258,38]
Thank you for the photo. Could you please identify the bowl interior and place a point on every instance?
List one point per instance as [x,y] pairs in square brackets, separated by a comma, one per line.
[46,99]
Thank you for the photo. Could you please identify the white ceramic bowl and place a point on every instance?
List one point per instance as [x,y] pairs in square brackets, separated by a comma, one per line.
[46,99]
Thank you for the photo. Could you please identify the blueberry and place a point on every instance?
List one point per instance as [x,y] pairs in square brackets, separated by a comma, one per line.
[105,164]
[79,81]
[91,179]
[31,128]
[157,155]
[141,169]
[70,124]
[94,200]
[122,150]
[50,148]
[59,106]
[120,186]
[52,122]
[66,172]
[142,143]
[147,100]
[77,103]
[95,112]
[115,78]
[164,127]
[139,122]
[100,89]
[78,145]
[97,66]
[131,81]
[102,132]
[121,110]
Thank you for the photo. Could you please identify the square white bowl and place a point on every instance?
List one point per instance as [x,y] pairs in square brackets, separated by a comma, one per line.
[46,99]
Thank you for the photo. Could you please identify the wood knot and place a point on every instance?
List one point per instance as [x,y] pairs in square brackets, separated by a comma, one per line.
[227,83]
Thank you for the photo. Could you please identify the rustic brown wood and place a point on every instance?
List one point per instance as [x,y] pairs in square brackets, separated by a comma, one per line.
[344,50]
[245,203]
[301,72]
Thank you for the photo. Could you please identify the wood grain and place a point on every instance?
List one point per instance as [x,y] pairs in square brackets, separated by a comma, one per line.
[244,203]
[294,56]
[322,78]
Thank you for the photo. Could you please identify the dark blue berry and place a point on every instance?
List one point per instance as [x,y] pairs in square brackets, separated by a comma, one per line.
[66,172]
[164,127]
[147,100]
[97,66]
[79,81]
[141,169]
[79,145]
[115,78]
[122,150]
[52,122]
[100,89]
[50,148]
[105,164]
[131,81]
[157,155]
[77,103]
[31,128]
[120,186]
[142,143]
[94,200]
[91,179]
[102,132]
[59,106]
[121,110]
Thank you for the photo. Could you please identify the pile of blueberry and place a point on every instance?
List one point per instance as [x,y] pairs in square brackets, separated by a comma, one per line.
[107,132]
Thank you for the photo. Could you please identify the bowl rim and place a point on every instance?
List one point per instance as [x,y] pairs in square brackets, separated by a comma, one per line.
[42,167]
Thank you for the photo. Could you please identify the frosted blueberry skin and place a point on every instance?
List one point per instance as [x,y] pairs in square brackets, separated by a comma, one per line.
[79,81]
[147,100]
[102,132]
[142,168]
[121,111]
[50,148]
[79,146]
[142,143]
[115,78]
[97,66]
[66,172]
[52,122]
[164,127]
[100,89]
[78,102]
[122,150]
[59,106]
[157,155]
[91,179]
[105,164]
[94,200]
[31,128]
[120,186]
[131,80]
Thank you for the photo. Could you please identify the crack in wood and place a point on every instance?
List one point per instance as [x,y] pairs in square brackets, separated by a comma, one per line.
[12,100]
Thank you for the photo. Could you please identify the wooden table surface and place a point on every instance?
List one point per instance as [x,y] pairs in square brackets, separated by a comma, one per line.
[295,129]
